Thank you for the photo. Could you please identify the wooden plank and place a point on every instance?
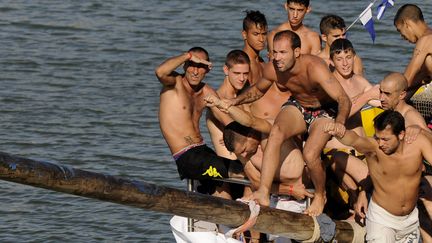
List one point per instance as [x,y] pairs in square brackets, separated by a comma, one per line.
[158,198]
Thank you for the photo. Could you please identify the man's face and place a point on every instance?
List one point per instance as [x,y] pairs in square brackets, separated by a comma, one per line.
[255,36]
[196,72]
[387,141]
[296,13]
[344,62]
[333,35]
[389,95]
[237,75]
[284,56]
[246,146]
[405,31]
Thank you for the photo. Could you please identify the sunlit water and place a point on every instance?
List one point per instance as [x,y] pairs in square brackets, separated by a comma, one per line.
[78,88]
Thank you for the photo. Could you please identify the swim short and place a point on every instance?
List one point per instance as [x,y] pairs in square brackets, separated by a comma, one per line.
[310,114]
[201,163]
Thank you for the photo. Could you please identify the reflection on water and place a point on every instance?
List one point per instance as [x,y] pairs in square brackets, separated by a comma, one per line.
[78,88]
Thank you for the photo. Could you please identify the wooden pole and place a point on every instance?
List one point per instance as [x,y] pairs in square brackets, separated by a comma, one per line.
[158,198]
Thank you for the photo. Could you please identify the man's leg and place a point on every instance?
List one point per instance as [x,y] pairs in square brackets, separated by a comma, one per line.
[312,154]
[288,123]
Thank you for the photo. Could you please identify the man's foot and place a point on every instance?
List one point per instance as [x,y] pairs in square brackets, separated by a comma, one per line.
[259,197]
[317,206]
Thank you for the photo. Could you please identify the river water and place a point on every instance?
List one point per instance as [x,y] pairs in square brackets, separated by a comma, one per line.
[78,88]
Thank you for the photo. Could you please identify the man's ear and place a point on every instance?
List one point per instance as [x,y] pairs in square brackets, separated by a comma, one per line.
[286,6]
[402,95]
[225,70]
[324,37]
[401,135]
[244,34]
[297,52]
[309,9]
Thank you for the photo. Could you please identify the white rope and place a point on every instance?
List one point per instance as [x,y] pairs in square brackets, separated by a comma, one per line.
[316,234]
[359,231]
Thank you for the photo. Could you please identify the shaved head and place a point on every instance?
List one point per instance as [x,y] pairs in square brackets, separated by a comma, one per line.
[397,80]
[408,12]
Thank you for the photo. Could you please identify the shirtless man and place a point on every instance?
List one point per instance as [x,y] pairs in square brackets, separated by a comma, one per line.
[410,23]
[332,27]
[395,170]
[342,54]
[297,9]
[243,137]
[181,106]
[236,70]
[254,35]
[316,95]
[393,95]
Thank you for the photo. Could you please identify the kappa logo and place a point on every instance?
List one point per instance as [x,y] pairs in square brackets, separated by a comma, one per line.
[212,172]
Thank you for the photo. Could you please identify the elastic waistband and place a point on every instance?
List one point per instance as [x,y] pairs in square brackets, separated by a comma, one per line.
[177,155]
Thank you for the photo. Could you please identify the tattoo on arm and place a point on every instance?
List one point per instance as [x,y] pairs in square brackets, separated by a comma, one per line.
[416,52]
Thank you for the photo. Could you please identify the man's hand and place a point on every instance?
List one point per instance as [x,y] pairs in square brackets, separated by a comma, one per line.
[335,128]
[412,132]
[361,206]
[196,59]
[298,191]
[212,100]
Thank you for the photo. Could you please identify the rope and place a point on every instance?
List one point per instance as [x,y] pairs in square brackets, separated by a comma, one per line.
[254,209]
[359,231]
[316,234]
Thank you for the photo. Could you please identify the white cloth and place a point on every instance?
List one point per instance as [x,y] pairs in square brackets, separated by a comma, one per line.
[383,227]
[179,227]
[286,203]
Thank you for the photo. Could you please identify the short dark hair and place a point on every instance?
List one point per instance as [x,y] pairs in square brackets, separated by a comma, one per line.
[341,45]
[331,22]
[200,49]
[303,2]
[254,17]
[231,132]
[390,118]
[408,11]
[236,57]
[290,35]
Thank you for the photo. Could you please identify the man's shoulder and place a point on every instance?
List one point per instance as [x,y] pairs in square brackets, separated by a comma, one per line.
[425,42]
[281,27]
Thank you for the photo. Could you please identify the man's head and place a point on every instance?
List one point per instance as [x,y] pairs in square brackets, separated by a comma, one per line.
[342,54]
[393,90]
[196,72]
[407,20]
[255,30]
[332,27]
[297,9]
[236,68]
[389,130]
[286,48]
[241,140]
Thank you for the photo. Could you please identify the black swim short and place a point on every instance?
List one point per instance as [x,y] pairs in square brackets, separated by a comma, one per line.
[202,163]
[309,115]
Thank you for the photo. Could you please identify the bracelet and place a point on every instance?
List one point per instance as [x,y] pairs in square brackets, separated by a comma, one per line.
[290,191]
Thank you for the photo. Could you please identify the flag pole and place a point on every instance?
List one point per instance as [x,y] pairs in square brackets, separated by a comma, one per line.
[357,19]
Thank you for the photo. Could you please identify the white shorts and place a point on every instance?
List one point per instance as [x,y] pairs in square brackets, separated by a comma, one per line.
[383,227]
